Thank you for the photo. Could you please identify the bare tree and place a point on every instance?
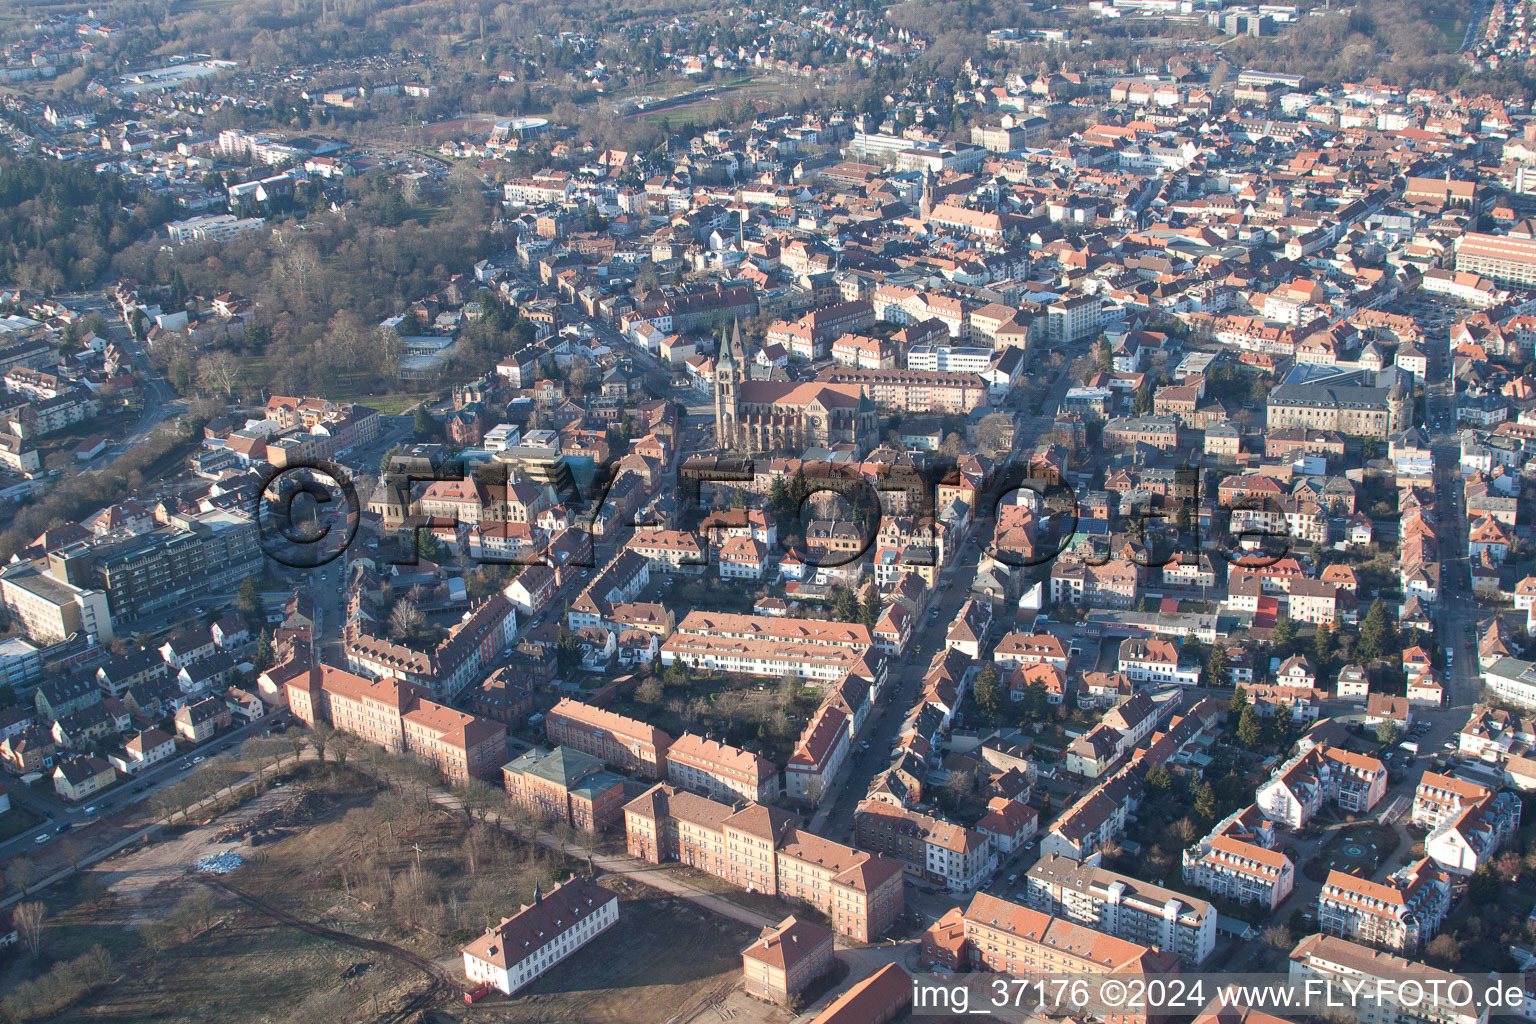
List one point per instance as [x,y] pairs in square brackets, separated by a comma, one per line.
[406,620]
[219,371]
[21,872]
[28,919]
[485,897]
[1278,936]
[321,736]
[995,431]
[342,744]
[1445,946]
[194,912]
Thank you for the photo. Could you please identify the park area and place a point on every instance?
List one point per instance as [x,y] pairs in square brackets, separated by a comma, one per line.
[351,905]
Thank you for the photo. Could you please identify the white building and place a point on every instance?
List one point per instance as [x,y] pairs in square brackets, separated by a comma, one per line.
[527,944]
[819,756]
[1340,963]
[1125,907]
[1512,680]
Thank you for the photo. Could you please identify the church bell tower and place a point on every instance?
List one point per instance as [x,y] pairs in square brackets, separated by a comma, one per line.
[726,401]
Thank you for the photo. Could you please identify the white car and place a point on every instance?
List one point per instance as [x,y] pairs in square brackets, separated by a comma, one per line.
[40,840]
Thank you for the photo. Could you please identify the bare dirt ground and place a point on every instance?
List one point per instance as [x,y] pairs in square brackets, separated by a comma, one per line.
[355,915]
[665,962]
[138,876]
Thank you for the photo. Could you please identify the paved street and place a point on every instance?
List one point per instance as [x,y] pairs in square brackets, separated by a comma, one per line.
[835,819]
[122,796]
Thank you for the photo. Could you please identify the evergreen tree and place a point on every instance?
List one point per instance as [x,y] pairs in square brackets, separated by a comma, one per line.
[844,607]
[1284,635]
[248,603]
[1037,703]
[1205,801]
[1322,647]
[1216,669]
[265,655]
[423,424]
[1239,700]
[779,501]
[1375,633]
[1249,732]
[989,692]
[869,613]
[1275,730]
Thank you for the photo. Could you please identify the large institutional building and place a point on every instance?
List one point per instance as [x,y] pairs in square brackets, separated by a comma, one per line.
[1364,403]
[1505,259]
[760,849]
[398,716]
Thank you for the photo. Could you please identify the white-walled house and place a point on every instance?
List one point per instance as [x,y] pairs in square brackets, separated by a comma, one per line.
[522,947]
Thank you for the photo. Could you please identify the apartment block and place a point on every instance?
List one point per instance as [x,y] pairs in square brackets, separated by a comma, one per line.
[1018,941]
[398,717]
[1124,907]
[819,755]
[1293,794]
[623,743]
[721,770]
[1340,963]
[1470,838]
[458,744]
[761,850]
[1441,798]
[565,785]
[49,610]
[786,960]
[1237,860]
[930,848]
[813,649]
[460,660]
[1400,914]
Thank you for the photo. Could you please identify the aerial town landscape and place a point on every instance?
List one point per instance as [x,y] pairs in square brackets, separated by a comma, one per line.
[668,513]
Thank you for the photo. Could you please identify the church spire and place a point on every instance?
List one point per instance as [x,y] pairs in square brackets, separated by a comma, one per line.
[727,357]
